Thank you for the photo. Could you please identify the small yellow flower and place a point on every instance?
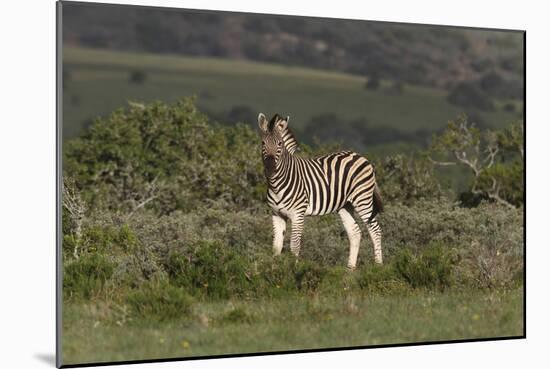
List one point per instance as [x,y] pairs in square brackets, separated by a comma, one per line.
[475,317]
[185,344]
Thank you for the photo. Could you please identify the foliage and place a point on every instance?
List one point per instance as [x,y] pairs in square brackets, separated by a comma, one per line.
[407,179]
[160,301]
[495,159]
[213,255]
[86,276]
[166,158]
[432,268]
[164,211]
[209,268]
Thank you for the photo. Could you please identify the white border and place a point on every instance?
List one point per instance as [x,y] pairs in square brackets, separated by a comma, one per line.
[27,185]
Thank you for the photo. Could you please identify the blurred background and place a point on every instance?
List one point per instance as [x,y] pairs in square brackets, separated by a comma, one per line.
[375,87]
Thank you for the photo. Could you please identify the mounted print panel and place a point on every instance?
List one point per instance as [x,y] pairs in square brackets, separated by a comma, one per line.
[243,184]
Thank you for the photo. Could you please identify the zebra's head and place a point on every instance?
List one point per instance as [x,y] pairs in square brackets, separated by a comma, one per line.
[272,141]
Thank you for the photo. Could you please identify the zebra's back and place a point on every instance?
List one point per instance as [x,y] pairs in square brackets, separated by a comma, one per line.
[333,180]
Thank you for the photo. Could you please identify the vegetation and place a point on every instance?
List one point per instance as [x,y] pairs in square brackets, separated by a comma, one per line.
[167,245]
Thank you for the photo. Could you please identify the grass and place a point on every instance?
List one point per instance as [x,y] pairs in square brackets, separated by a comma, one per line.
[99,82]
[95,331]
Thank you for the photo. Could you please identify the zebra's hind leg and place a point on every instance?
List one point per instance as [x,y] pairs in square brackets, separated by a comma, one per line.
[354,236]
[365,211]
[279,227]
[376,236]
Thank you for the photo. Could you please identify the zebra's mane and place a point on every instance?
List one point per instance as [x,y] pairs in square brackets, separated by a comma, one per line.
[289,140]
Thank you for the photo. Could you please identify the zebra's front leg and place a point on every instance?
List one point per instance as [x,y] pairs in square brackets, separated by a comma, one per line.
[279,228]
[297,230]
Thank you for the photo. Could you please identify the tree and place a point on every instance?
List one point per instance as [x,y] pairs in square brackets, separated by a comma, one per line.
[373,82]
[495,159]
[137,77]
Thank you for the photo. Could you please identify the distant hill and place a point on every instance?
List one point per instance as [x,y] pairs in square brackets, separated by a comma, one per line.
[433,56]
[331,106]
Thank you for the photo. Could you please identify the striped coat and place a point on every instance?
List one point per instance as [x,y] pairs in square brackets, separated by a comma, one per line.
[342,182]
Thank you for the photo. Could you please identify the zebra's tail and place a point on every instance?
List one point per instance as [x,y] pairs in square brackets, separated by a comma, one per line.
[378,205]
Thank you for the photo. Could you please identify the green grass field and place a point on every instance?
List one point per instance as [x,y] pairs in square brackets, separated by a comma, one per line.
[98,82]
[96,332]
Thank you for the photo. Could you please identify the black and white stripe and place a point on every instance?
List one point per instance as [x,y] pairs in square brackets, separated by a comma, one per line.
[341,182]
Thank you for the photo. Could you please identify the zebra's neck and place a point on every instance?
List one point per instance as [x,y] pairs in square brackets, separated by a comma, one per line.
[289,140]
[282,172]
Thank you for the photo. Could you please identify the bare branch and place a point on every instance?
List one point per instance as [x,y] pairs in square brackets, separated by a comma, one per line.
[461,157]
[75,206]
[441,163]
[492,152]
[494,194]
[151,193]
[140,205]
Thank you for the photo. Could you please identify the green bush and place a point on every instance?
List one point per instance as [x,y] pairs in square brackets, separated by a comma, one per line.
[102,238]
[309,275]
[165,158]
[86,276]
[432,268]
[209,269]
[381,279]
[159,300]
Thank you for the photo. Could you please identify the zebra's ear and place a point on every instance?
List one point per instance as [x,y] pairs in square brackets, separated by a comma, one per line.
[262,122]
[282,124]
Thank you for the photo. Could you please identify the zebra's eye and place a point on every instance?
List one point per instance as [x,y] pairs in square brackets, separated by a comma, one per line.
[279,143]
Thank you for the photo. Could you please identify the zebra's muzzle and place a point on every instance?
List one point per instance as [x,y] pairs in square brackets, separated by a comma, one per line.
[269,165]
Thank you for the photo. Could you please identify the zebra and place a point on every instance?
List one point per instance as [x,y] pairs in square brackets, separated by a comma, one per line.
[341,182]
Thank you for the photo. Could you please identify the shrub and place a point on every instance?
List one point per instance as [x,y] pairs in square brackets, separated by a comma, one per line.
[309,275]
[405,179]
[432,268]
[159,300]
[86,276]
[381,279]
[137,77]
[100,238]
[166,158]
[209,269]
[373,83]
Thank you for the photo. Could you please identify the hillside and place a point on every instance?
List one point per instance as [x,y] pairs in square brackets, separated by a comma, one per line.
[99,81]
[415,54]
